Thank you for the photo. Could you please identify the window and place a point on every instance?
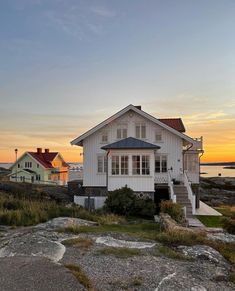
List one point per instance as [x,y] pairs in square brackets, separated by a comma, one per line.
[38,177]
[49,176]
[191,163]
[122,132]
[37,165]
[101,164]
[140,131]
[136,165]
[124,165]
[18,165]
[158,136]
[115,165]
[160,164]
[145,165]
[28,164]
[104,137]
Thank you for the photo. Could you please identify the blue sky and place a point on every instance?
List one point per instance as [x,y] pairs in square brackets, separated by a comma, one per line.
[67,64]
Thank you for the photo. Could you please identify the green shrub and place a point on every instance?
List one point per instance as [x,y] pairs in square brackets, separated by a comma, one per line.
[173,209]
[123,201]
[229,225]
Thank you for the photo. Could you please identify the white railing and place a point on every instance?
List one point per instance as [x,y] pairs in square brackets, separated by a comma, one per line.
[191,196]
[170,185]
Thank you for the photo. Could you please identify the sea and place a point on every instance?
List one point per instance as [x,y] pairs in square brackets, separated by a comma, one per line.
[76,171]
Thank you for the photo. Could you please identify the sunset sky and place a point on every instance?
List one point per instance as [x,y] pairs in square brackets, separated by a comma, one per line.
[66,65]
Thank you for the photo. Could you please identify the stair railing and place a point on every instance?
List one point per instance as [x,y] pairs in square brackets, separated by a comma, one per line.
[170,185]
[191,195]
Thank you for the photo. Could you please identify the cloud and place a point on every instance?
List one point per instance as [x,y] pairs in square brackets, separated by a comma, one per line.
[103,12]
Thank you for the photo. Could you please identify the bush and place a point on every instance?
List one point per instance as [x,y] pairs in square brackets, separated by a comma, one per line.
[123,201]
[174,210]
[229,225]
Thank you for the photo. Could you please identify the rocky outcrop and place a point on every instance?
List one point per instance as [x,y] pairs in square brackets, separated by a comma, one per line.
[217,190]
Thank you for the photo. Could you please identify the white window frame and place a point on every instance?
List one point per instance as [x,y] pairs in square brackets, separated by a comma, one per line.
[161,160]
[103,159]
[142,170]
[115,160]
[140,135]
[159,134]
[121,131]
[124,165]
[104,137]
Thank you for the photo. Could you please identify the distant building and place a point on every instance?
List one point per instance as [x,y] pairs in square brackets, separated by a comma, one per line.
[40,167]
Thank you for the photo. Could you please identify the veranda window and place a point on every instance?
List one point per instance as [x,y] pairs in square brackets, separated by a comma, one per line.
[124,165]
[145,165]
[115,165]
[136,165]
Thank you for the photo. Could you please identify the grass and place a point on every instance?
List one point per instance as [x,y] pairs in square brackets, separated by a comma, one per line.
[121,253]
[79,242]
[141,230]
[23,211]
[80,275]
[211,221]
[170,253]
[227,210]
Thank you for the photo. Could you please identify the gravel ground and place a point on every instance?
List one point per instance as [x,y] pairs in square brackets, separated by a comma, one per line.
[146,272]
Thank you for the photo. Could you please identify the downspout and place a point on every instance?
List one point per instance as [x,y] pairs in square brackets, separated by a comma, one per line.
[107,171]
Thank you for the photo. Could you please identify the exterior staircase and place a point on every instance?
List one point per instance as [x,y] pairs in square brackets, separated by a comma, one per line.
[182,198]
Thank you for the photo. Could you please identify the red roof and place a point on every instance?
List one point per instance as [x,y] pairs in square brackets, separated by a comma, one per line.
[175,123]
[45,159]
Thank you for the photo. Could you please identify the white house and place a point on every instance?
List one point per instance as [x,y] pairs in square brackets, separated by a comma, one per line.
[147,154]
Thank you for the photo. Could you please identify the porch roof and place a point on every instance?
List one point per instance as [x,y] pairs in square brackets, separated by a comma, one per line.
[130,143]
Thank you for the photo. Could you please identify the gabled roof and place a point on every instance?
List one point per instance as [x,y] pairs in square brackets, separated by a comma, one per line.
[175,123]
[79,140]
[130,143]
[44,159]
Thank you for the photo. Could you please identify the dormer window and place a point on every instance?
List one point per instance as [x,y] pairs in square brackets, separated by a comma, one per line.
[158,136]
[140,130]
[104,137]
[122,132]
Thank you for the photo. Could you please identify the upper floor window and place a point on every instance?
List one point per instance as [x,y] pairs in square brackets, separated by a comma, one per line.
[28,164]
[160,164]
[37,165]
[121,132]
[104,136]
[158,136]
[140,130]
[101,164]
[18,165]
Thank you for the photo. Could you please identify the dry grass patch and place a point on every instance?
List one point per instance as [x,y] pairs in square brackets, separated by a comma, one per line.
[171,253]
[119,252]
[79,242]
[81,276]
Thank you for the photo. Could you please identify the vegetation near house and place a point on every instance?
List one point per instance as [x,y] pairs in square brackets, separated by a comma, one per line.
[123,201]
[174,210]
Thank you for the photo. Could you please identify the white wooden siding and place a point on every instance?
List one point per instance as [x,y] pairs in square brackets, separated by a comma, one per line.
[171,145]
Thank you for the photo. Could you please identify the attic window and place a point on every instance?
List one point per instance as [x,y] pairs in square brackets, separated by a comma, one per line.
[158,136]
[104,137]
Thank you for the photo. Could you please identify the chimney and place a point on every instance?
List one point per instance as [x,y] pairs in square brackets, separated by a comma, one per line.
[39,150]
[46,151]
[138,107]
